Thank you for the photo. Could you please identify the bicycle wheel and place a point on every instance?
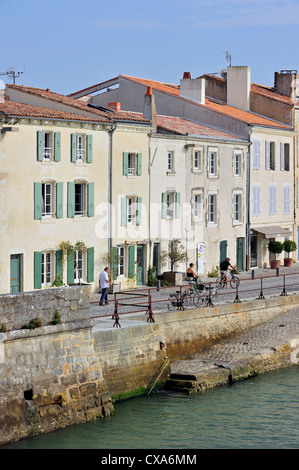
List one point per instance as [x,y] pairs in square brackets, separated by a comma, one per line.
[215,299]
[186,298]
[234,282]
[172,303]
[200,300]
[220,283]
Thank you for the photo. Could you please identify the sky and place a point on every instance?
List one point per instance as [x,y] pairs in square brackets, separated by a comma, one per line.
[67,45]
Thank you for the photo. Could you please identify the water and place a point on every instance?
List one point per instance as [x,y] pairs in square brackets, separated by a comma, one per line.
[261,412]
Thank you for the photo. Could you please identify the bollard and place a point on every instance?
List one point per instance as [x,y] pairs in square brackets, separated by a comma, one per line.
[277,271]
[252,274]
[158,285]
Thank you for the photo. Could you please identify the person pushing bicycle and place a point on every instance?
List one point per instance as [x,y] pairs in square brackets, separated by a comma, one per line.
[224,265]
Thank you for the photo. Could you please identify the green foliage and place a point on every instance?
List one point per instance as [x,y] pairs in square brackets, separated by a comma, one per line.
[151,276]
[34,323]
[288,246]
[58,282]
[56,318]
[176,253]
[275,247]
[214,272]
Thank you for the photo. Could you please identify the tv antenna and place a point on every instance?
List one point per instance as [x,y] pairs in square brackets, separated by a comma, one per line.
[228,57]
[11,73]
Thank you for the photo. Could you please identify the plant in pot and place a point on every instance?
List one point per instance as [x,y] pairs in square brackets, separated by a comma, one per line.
[176,253]
[275,247]
[288,246]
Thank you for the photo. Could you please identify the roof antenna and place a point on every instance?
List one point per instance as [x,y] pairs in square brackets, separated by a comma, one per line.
[228,57]
[12,74]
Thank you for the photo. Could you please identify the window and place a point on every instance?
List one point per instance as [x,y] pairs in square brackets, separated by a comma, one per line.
[197,159]
[78,266]
[237,207]
[212,163]
[256,193]
[80,199]
[238,164]
[131,211]
[81,148]
[212,208]
[132,164]
[272,199]
[285,157]
[171,205]
[197,206]
[170,161]
[48,146]
[286,199]
[271,155]
[121,261]
[47,200]
[47,268]
[256,154]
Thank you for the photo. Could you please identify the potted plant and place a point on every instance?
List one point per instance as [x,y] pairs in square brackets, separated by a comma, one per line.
[275,247]
[288,246]
[176,253]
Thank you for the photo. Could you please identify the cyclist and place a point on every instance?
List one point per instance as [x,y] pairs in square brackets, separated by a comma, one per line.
[224,265]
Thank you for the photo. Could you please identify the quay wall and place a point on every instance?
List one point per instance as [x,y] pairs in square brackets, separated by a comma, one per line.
[50,376]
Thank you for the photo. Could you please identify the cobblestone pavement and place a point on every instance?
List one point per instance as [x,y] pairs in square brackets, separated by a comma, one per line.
[265,282]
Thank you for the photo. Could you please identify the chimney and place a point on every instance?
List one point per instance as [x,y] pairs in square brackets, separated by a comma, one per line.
[192,88]
[286,83]
[238,86]
[115,106]
[149,108]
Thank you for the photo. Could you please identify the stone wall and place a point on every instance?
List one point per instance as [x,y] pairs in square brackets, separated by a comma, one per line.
[50,377]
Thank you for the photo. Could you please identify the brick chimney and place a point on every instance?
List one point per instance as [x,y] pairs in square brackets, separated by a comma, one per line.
[149,108]
[192,88]
[238,86]
[114,106]
[286,83]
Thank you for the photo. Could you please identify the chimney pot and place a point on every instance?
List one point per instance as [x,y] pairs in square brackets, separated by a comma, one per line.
[187,75]
[115,106]
[149,91]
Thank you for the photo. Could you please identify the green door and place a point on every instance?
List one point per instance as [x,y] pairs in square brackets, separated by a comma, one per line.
[240,254]
[140,264]
[223,250]
[15,273]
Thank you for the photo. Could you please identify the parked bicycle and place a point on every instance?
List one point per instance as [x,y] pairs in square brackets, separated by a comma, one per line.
[234,281]
[206,297]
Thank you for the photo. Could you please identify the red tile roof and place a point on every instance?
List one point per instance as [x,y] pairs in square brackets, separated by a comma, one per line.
[76,104]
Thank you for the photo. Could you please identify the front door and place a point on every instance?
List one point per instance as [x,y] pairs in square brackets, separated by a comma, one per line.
[223,250]
[15,273]
[140,265]
[253,251]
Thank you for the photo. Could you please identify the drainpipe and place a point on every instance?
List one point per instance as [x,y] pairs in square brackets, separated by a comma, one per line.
[248,201]
[111,132]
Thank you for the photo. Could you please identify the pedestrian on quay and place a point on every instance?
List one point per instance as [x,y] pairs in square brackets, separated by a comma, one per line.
[104,283]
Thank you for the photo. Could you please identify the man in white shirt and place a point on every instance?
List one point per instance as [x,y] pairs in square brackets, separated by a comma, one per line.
[104,283]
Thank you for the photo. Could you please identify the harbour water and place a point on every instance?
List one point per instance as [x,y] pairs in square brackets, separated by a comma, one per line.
[258,413]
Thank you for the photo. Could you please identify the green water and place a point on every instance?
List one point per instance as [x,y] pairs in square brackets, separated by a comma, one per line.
[258,413]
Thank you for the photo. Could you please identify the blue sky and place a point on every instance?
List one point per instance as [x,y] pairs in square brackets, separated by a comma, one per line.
[67,45]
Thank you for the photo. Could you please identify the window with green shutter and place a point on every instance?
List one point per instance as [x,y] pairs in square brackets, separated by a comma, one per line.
[164,206]
[131,270]
[177,205]
[123,211]
[71,199]
[138,210]
[59,264]
[59,200]
[139,164]
[57,146]
[125,163]
[90,199]
[90,264]
[89,148]
[37,270]
[73,147]
[70,269]
[38,201]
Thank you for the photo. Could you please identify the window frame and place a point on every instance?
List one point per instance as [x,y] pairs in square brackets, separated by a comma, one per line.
[82,203]
[79,265]
[47,262]
[121,261]
[48,214]
[197,206]
[170,161]
[212,205]
[237,208]
[238,164]
[212,162]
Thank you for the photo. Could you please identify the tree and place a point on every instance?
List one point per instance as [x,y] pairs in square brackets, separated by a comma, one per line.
[112,259]
[288,246]
[275,247]
[176,254]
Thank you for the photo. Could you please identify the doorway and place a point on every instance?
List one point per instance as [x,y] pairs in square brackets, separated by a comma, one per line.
[15,273]
[140,265]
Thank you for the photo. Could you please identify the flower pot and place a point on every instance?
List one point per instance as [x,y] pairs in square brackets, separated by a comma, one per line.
[274,263]
[288,262]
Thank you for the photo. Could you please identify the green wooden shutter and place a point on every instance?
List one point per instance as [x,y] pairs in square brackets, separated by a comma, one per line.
[70,268]
[139,164]
[59,200]
[70,199]
[57,146]
[73,147]
[131,270]
[125,163]
[138,211]
[89,148]
[177,205]
[37,270]
[90,199]
[90,264]
[40,146]
[59,264]
[123,211]
[164,206]
[38,201]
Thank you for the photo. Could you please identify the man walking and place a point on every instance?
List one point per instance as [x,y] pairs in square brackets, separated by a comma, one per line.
[104,284]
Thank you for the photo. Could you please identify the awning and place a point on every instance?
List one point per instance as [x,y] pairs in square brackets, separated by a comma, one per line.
[273,231]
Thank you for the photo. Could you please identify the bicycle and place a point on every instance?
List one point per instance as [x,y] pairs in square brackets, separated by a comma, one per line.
[234,281]
[206,297]
[176,301]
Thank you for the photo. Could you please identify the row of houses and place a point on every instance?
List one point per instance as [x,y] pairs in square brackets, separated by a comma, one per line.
[126,165]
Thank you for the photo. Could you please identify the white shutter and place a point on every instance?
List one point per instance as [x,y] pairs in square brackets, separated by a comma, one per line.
[286,199]
[256,200]
[267,155]
[282,156]
[256,154]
